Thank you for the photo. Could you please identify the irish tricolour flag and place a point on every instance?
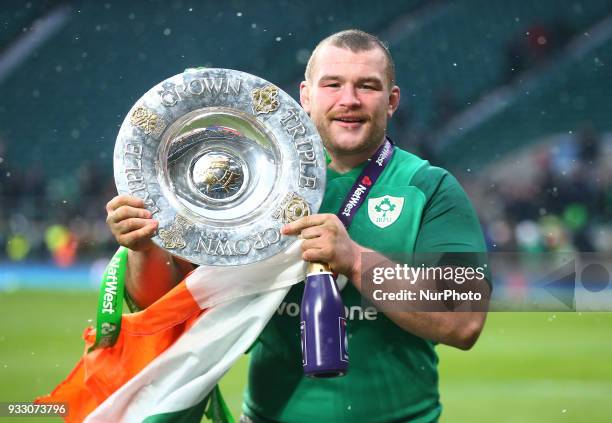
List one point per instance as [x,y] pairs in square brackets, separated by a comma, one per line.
[170,356]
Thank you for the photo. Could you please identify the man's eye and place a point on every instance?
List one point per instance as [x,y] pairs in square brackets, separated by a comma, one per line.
[333,85]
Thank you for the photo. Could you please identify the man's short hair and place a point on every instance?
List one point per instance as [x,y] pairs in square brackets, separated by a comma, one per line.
[356,41]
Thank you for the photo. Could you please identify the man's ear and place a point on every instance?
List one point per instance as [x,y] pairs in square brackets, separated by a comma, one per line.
[394,99]
[305,96]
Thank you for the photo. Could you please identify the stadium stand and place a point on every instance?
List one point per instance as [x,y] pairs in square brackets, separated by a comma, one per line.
[518,74]
[569,95]
[81,84]
[463,52]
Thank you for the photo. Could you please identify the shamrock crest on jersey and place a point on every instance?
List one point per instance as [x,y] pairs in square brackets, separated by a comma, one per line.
[384,211]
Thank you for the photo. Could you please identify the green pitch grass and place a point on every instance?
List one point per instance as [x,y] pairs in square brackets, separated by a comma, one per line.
[527,367]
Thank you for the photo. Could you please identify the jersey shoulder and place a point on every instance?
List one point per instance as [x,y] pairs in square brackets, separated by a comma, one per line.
[417,172]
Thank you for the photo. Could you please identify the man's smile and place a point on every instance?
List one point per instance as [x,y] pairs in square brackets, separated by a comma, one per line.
[349,121]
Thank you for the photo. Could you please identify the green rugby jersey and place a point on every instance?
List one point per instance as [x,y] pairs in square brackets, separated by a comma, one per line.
[392,374]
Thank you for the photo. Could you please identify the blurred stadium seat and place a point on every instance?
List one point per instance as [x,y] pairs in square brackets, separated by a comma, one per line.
[480,80]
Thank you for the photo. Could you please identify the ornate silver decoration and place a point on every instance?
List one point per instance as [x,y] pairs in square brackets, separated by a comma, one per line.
[218,151]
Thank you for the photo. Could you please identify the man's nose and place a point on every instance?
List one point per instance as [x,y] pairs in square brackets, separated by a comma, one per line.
[349,97]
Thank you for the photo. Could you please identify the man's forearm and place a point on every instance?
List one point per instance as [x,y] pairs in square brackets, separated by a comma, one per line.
[151,274]
[459,329]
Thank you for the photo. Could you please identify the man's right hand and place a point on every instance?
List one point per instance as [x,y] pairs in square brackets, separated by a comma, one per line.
[130,223]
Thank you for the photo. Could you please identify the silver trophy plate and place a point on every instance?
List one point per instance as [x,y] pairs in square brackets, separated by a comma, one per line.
[222,159]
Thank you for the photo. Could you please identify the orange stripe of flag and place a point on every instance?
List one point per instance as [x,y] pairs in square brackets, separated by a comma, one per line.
[143,337]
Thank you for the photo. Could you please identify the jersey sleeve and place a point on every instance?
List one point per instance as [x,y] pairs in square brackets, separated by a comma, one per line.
[449,224]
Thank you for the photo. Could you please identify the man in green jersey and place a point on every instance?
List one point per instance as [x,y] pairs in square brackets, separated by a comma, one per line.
[350,94]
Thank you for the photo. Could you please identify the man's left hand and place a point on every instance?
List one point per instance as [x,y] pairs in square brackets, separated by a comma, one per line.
[327,241]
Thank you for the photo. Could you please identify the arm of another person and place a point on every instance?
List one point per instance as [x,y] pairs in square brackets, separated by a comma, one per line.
[443,229]
[151,271]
